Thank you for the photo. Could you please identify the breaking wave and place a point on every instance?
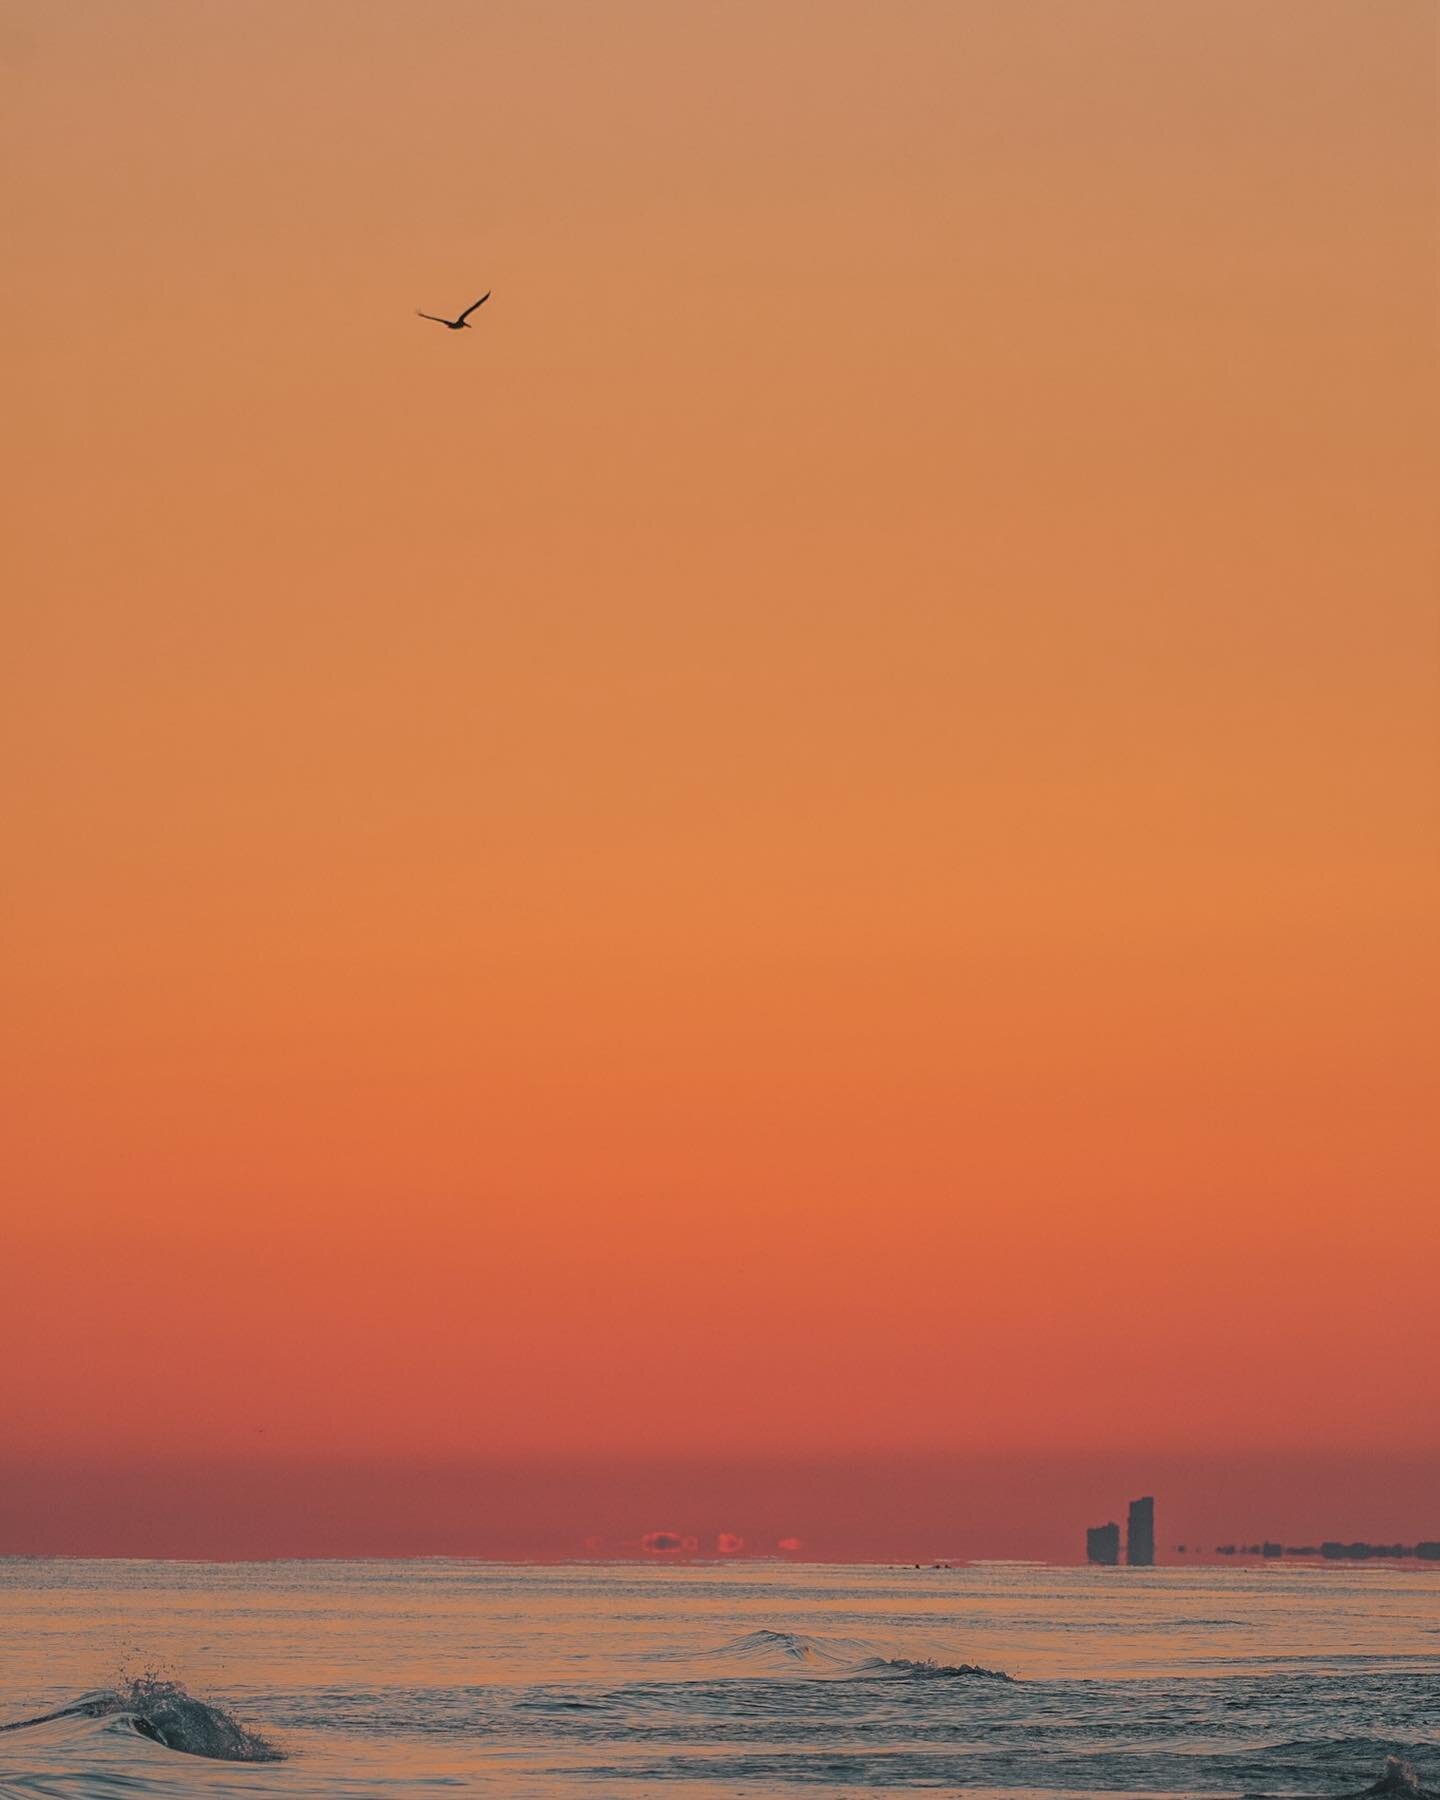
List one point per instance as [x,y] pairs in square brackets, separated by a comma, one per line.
[1398,1782]
[768,1650]
[925,1669]
[166,1714]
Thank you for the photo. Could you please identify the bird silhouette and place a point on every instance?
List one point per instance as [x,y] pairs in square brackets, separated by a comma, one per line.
[460,324]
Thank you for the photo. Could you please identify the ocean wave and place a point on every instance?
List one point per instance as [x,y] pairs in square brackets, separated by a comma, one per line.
[1398,1782]
[926,1669]
[783,1651]
[166,1714]
[767,1648]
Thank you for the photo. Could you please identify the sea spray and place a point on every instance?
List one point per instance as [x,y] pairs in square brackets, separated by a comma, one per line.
[164,1712]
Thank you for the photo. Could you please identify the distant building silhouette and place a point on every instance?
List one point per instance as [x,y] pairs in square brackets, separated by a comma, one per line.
[1140,1534]
[1335,1551]
[1102,1545]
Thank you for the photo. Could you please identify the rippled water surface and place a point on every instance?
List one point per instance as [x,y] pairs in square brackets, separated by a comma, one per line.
[402,1679]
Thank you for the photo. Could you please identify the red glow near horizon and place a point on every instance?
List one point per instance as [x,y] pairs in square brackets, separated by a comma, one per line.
[817,848]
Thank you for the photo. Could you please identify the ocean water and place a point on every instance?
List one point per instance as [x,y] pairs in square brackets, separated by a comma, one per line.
[396,1680]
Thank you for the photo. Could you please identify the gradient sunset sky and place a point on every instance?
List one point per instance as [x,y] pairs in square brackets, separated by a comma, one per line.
[817,841]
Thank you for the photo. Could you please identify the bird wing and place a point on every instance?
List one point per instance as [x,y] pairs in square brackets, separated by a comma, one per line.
[480,302]
[435,316]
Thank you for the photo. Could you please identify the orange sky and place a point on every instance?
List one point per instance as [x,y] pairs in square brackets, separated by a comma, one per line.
[820,837]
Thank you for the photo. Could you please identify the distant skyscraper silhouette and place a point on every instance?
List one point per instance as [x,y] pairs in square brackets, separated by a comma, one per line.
[1102,1544]
[1140,1534]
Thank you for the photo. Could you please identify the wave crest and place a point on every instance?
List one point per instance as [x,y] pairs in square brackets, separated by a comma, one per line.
[926,1669]
[852,1657]
[1398,1782]
[767,1646]
[165,1713]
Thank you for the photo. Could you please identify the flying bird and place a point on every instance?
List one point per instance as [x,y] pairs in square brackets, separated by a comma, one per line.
[460,324]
